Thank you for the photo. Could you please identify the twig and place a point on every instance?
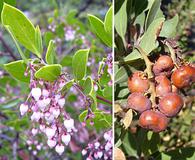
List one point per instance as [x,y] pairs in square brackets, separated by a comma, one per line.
[82,9]
[105,100]
[9,50]
[149,65]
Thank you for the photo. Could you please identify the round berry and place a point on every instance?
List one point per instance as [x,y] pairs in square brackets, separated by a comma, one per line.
[163,85]
[153,120]
[138,102]
[183,76]
[171,104]
[163,65]
[138,83]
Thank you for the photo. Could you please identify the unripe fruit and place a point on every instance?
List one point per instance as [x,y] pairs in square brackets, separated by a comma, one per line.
[171,104]
[138,83]
[153,120]
[163,85]
[163,65]
[183,76]
[138,102]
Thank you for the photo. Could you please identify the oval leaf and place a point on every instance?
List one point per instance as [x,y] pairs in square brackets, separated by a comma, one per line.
[97,27]
[49,72]
[50,54]
[108,21]
[101,119]
[17,69]
[121,27]
[169,27]
[79,63]
[151,34]
[21,27]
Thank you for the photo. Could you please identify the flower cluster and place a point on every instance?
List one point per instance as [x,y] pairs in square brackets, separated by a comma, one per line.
[99,149]
[46,105]
[69,33]
[34,145]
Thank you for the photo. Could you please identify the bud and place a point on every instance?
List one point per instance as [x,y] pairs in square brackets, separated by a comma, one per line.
[108,146]
[66,139]
[61,102]
[107,136]
[36,116]
[97,144]
[36,93]
[59,149]
[34,131]
[84,152]
[99,154]
[51,143]
[56,112]
[38,147]
[23,109]
[42,128]
[50,132]
[45,93]
[69,124]
[49,117]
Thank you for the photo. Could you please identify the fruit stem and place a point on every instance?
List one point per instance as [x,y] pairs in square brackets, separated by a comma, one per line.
[149,64]
[153,93]
[173,56]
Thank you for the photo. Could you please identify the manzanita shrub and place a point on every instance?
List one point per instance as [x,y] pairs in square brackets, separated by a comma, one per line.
[53,123]
[152,83]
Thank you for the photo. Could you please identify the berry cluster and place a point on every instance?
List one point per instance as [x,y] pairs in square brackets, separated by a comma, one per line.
[46,103]
[157,99]
[98,149]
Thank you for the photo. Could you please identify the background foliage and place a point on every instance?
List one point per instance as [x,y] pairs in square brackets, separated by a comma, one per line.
[65,28]
[135,19]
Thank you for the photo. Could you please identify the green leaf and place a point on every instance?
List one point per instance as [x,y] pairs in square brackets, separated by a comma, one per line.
[79,63]
[169,27]
[10,2]
[67,86]
[17,45]
[17,69]
[107,92]
[49,72]
[50,54]
[60,30]
[47,37]
[121,27]
[178,154]
[101,119]
[151,34]
[10,104]
[130,144]
[153,12]
[121,75]
[38,40]
[89,90]
[108,21]
[22,29]
[66,61]
[98,28]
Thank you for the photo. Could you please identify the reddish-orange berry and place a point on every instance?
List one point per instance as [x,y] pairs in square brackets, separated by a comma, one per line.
[163,65]
[138,102]
[183,76]
[138,83]
[171,104]
[163,85]
[153,120]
